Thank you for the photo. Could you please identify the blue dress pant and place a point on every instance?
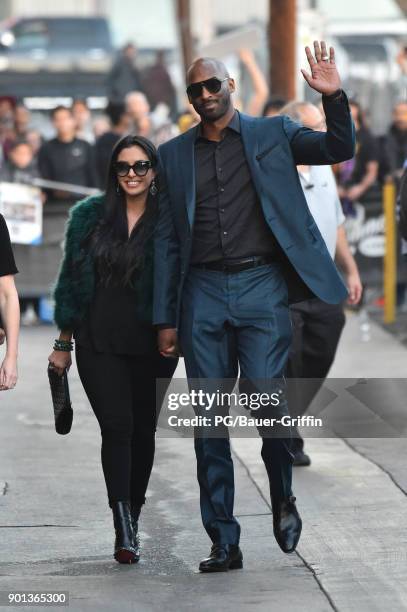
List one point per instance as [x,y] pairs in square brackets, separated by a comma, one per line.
[227,322]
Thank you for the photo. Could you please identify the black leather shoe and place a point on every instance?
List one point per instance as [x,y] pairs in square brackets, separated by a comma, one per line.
[223,557]
[135,513]
[124,547]
[301,458]
[287,524]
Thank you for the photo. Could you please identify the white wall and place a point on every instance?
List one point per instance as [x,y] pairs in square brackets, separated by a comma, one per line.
[149,24]
[350,10]
[22,8]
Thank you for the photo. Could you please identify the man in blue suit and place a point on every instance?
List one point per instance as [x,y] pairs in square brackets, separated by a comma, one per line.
[235,244]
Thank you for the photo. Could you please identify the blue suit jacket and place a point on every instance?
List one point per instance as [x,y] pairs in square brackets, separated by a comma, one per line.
[273,147]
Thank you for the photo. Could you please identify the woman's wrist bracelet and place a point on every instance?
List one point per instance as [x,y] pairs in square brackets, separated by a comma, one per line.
[63,345]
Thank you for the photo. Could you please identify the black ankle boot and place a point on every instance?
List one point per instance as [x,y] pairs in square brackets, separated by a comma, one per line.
[124,546]
[135,513]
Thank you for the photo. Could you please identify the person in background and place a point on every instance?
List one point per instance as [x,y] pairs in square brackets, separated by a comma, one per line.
[157,127]
[7,105]
[103,297]
[21,126]
[158,85]
[357,175]
[273,106]
[120,125]
[21,166]
[396,141]
[138,109]
[83,120]
[66,158]
[22,120]
[9,310]
[124,75]
[187,120]
[258,83]
[317,325]
[34,138]
[101,125]
[402,206]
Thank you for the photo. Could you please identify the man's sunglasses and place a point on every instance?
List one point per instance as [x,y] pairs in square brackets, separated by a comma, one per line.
[140,167]
[212,85]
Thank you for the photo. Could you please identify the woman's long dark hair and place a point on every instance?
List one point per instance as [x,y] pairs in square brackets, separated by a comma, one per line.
[119,258]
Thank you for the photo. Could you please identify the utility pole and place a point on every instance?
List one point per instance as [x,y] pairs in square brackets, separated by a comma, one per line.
[184,21]
[282,44]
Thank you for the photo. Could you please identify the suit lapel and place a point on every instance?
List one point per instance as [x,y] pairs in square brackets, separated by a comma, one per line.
[249,140]
[188,172]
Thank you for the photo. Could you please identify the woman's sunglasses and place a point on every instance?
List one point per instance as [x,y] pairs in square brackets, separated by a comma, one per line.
[212,85]
[140,167]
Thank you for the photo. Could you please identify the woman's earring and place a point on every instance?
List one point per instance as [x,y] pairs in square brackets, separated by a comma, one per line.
[153,188]
[117,187]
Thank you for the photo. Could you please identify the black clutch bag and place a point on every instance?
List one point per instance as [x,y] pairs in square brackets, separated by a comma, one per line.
[61,401]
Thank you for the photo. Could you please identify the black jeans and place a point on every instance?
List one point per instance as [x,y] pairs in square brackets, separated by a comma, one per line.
[317,328]
[122,392]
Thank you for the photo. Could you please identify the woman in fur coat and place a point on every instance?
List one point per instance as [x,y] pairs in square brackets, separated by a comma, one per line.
[103,299]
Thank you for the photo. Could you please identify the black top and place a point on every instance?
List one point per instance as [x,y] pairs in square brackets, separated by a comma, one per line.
[123,78]
[119,319]
[112,326]
[229,221]
[366,151]
[68,162]
[396,148]
[7,263]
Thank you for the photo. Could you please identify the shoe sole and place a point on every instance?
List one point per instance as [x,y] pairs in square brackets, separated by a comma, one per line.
[234,565]
[125,556]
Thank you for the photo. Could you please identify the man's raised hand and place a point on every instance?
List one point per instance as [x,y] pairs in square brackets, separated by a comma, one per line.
[324,76]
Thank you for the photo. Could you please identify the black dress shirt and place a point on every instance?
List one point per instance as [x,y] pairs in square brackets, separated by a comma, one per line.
[229,221]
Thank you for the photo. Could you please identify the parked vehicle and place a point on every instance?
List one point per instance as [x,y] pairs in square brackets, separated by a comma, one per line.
[55,56]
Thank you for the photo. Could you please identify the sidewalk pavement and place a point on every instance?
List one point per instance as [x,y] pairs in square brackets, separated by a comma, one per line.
[57,533]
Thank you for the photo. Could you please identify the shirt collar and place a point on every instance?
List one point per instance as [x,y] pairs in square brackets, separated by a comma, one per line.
[234,124]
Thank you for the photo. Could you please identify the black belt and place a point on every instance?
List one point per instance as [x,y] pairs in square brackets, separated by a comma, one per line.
[231,267]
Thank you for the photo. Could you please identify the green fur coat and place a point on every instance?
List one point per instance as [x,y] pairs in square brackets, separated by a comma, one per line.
[75,285]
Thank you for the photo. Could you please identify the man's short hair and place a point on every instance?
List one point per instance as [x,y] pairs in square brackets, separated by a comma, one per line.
[58,108]
[293,109]
[275,104]
[19,142]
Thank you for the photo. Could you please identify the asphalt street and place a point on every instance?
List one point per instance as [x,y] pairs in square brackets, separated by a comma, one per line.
[56,529]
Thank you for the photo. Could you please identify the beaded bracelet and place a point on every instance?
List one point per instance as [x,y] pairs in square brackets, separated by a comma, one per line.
[63,345]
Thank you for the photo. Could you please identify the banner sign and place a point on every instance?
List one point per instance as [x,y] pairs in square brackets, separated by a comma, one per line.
[365,231]
[21,206]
